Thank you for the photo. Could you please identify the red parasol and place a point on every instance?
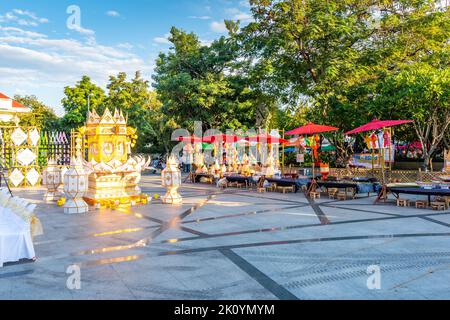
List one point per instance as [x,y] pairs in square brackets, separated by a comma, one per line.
[221,138]
[378,124]
[266,138]
[310,129]
[190,139]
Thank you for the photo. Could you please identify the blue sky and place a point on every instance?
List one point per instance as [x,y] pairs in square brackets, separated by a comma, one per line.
[40,54]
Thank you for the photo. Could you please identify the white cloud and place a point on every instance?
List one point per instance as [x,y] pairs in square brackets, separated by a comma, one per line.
[13,31]
[218,27]
[162,40]
[23,18]
[40,65]
[112,13]
[244,3]
[236,14]
[125,45]
[200,17]
[83,31]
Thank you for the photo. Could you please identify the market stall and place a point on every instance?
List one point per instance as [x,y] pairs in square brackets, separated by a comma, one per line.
[380,139]
[313,130]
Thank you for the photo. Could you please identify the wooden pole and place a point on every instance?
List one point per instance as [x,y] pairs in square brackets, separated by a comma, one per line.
[390,147]
[282,156]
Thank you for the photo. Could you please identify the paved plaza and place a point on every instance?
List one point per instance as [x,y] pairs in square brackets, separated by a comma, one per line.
[236,244]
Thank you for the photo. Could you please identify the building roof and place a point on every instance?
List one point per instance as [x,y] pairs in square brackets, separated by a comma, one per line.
[2,96]
[15,104]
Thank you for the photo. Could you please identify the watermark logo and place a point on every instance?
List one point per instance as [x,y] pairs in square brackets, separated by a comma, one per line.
[74,20]
[374,280]
[74,280]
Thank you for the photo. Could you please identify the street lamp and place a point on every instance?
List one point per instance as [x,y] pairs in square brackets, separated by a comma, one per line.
[89,101]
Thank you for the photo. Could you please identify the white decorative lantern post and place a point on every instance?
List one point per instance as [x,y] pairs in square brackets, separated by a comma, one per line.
[75,187]
[52,179]
[171,179]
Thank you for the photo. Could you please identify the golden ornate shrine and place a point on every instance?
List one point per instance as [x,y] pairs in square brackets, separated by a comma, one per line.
[113,174]
[107,136]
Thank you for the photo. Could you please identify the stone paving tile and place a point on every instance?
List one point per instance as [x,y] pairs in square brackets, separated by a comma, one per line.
[285,250]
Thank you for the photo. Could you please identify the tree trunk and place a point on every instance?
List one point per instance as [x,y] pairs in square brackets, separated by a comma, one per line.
[426,161]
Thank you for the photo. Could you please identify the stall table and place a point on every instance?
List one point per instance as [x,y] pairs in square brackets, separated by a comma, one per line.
[396,191]
[356,187]
[198,176]
[240,179]
[286,182]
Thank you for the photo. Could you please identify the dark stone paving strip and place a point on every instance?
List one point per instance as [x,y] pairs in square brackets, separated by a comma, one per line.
[193,209]
[274,229]
[141,243]
[436,221]
[265,281]
[251,195]
[138,244]
[39,243]
[189,230]
[15,274]
[299,241]
[361,210]
[268,283]
[320,214]
[242,214]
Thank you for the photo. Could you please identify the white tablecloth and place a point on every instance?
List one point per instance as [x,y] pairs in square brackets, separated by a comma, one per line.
[15,238]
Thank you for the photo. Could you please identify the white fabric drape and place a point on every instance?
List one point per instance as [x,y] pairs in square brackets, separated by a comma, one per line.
[15,238]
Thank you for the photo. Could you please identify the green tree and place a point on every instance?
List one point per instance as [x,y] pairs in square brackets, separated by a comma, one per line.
[420,92]
[198,82]
[76,100]
[126,94]
[141,106]
[41,116]
[335,53]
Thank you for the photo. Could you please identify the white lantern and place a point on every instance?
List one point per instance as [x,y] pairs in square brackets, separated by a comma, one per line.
[171,179]
[75,187]
[51,178]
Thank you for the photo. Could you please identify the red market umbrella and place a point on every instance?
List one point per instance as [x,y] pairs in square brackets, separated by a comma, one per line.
[266,138]
[310,129]
[378,124]
[221,138]
[190,139]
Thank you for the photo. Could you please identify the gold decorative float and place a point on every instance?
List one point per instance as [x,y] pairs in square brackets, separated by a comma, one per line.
[113,175]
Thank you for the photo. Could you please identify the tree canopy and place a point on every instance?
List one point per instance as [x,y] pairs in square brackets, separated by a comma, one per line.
[335,62]
[41,116]
[199,82]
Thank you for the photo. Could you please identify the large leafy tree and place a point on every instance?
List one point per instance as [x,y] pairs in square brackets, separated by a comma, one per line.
[126,94]
[420,92]
[335,53]
[133,97]
[141,106]
[197,82]
[41,116]
[76,101]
